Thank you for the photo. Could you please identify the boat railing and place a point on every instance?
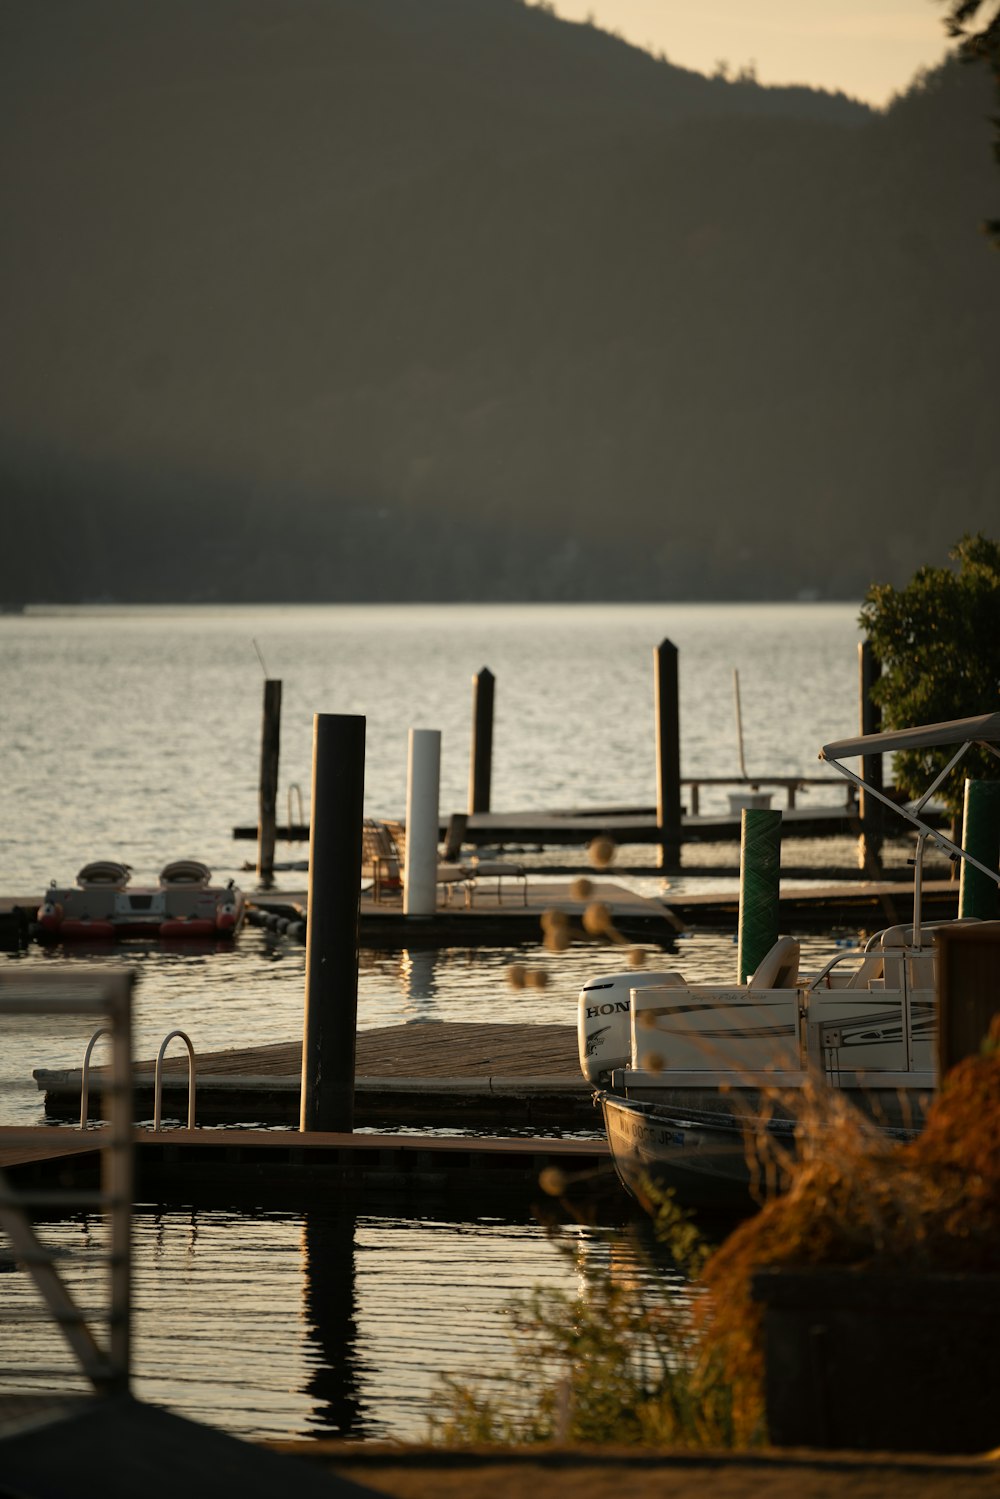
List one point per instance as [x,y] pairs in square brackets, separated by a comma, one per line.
[158,1078]
[822,977]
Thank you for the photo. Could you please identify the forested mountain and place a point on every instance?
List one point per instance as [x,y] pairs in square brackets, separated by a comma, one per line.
[389,299]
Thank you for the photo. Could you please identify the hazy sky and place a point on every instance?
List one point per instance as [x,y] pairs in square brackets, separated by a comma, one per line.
[868,48]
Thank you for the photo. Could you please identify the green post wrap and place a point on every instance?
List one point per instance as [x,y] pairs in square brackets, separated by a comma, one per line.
[760,875]
[977,895]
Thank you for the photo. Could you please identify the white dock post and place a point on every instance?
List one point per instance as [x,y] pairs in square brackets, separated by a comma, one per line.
[423,777]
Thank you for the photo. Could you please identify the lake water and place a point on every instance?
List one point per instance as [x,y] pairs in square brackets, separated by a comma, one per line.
[134,734]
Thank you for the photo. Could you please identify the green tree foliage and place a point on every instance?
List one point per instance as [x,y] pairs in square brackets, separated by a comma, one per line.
[939,643]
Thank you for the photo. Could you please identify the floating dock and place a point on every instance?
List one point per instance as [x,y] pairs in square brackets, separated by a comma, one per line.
[867,905]
[429,1073]
[497,913]
[276,1167]
[518,830]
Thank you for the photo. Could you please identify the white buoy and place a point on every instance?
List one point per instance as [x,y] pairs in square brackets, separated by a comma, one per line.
[422,784]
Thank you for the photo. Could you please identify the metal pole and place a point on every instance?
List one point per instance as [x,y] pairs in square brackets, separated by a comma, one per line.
[331,999]
[270,740]
[668,754]
[481,757]
[739,724]
[870,719]
[422,788]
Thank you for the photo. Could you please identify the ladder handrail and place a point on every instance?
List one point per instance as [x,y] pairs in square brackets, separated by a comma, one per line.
[158,1080]
[104,1030]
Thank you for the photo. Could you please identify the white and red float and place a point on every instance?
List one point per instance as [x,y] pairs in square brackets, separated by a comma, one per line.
[103,907]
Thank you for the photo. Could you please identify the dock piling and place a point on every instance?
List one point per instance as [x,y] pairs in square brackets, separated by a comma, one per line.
[422,788]
[869,807]
[481,756]
[668,755]
[331,997]
[760,882]
[977,895]
[270,740]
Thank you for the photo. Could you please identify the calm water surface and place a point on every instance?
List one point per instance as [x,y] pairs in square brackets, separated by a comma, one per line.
[134,734]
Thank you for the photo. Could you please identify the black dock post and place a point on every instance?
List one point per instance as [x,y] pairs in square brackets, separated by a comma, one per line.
[869,807]
[270,741]
[481,759]
[331,1003]
[668,754]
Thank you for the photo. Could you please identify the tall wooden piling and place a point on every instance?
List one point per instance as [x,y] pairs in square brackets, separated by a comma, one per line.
[870,722]
[760,884]
[977,894]
[270,742]
[331,999]
[668,754]
[481,756]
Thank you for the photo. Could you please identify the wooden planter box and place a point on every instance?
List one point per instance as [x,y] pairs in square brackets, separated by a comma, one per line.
[902,1362]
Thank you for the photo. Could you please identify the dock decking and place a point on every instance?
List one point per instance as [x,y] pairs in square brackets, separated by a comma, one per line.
[434,1072]
[865,904]
[497,914]
[284,1166]
[546,829]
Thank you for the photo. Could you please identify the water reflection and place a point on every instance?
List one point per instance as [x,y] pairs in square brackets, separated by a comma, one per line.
[418,978]
[329,1310]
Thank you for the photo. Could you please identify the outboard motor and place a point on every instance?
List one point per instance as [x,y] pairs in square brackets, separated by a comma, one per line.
[604,1029]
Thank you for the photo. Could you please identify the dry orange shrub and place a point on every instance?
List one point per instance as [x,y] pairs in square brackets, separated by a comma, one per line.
[856,1198]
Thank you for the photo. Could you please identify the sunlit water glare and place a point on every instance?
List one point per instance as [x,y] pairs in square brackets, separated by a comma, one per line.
[134,734]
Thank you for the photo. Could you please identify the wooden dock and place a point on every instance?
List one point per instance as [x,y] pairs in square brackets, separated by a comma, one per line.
[497,914]
[430,1073]
[284,1167]
[545,829]
[867,904]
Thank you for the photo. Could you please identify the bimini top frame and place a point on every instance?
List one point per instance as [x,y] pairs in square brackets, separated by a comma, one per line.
[983,730]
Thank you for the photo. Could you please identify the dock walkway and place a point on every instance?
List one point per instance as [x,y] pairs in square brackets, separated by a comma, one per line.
[435,1072]
[285,1167]
[494,915]
[868,904]
[544,829]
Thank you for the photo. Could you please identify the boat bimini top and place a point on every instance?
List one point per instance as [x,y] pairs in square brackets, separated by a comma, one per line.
[983,730]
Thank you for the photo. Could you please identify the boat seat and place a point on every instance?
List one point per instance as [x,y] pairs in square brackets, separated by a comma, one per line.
[871,968]
[104,873]
[779,967]
[186,872]
[902,936]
